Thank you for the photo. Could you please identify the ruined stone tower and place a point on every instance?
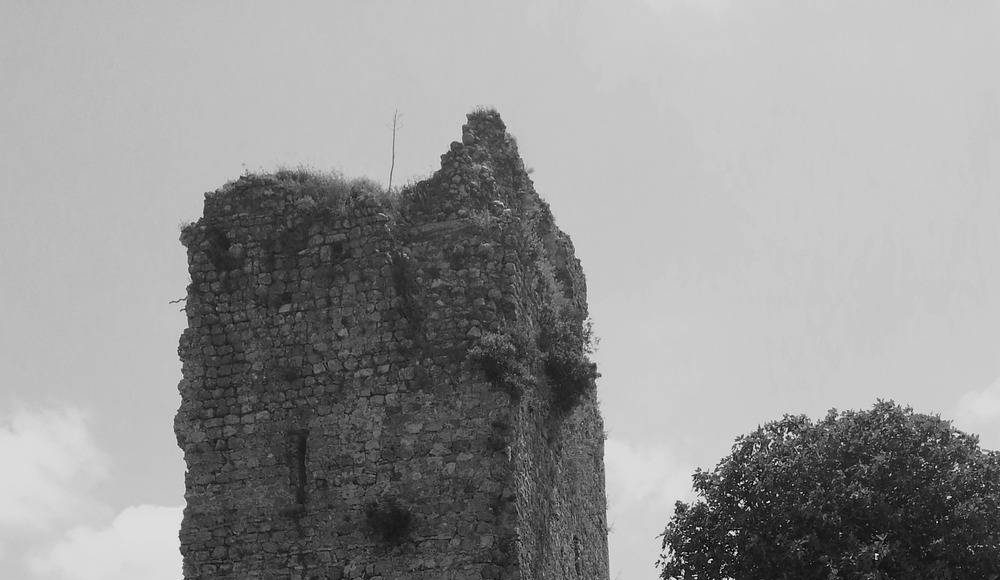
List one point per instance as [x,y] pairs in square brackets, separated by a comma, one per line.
[390,387]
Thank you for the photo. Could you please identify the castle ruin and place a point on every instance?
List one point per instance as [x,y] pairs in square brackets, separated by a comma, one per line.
[390,387]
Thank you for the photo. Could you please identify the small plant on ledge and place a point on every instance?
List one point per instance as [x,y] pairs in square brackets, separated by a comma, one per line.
[566,343]
[503,358]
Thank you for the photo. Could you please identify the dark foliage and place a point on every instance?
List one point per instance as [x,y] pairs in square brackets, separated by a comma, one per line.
[505,361]
[883,493]
[565,343]
[389,521]
[218,249]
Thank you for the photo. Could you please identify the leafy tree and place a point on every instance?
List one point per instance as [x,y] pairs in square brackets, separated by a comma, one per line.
[884,493]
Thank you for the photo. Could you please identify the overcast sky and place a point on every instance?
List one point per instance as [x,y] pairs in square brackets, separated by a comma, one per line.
[781,207]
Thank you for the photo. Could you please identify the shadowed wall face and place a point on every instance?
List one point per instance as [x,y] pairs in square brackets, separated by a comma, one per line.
[345,413]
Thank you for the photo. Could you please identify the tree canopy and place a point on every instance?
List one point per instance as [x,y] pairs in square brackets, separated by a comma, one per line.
[882,493]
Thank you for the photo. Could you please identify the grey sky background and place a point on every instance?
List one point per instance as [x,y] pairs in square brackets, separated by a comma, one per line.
[781,207]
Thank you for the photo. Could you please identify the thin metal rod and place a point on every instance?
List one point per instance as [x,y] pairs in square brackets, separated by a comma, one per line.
[392,165]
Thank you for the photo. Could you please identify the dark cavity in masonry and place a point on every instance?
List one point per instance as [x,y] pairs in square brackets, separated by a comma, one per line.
[297,464]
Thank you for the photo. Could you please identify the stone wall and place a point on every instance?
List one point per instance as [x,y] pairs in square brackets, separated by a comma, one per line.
[333,420]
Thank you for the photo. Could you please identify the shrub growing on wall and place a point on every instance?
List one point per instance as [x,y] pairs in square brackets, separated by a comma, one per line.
[565,342]
[505,361]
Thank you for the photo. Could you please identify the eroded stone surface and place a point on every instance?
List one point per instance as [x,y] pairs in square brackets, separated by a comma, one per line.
[332,421]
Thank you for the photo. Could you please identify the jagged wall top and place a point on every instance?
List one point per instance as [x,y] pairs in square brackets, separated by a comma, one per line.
[482,169]
[482,173]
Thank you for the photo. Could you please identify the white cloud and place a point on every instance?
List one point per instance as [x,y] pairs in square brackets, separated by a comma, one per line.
[50,460]
[983,405]
[644,476]
[141,542]
[979,412]
[51,465]
[643,482]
